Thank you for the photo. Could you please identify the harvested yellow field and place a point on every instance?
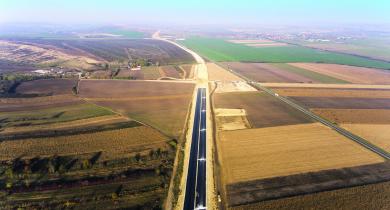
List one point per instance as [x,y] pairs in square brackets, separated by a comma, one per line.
[115,143]
[378,134]
[252,154]
[325,92]
[218,73]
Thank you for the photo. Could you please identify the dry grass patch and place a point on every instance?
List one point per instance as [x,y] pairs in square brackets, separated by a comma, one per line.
[359,75]
[114,144]
[285,150]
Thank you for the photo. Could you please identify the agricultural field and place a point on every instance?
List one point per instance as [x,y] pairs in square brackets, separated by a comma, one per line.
[279,73]
[358,75]
[162,105]
[123,50]
[61,150]
[172,72]
[217,73]
[363,111]
[372,196]
[46,87]
[283,161]
[39,55]
[257,42]
[372,47]
[132,162]
[262,110]
[51,115]
[263,147]
[219,50]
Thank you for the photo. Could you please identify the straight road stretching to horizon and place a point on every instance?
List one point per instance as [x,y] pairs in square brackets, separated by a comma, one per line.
[195,195]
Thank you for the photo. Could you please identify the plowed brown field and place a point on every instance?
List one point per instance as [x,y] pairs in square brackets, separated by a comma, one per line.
[359,75]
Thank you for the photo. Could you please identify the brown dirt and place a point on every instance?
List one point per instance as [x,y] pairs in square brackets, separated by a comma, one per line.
[332,92]
[285,150]
[218,73]
[365,116]
[344,103]
[359,75]
[378,134]
[263,72]
[262,110]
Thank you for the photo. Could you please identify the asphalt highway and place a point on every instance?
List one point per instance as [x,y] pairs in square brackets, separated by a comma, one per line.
[195,195]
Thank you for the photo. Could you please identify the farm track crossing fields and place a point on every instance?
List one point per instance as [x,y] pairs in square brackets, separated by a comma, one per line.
[220,50]
[260,153]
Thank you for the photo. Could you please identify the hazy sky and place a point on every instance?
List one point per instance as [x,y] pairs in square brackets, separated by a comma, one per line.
[196,12]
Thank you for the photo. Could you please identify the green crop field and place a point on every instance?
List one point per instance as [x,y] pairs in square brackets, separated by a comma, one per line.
[221,50]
